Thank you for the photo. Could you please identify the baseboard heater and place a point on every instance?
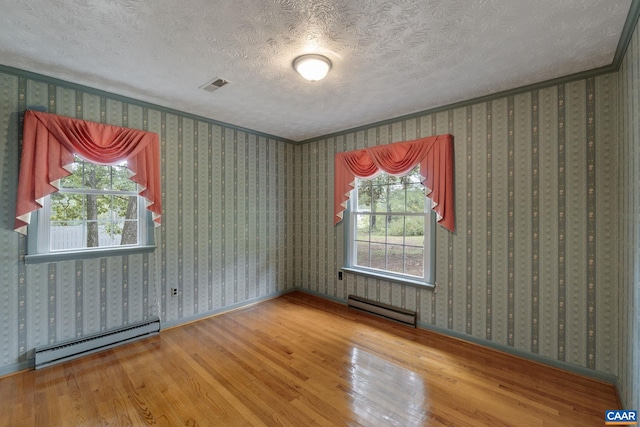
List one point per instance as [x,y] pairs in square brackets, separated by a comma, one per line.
[72,349]
[401,315]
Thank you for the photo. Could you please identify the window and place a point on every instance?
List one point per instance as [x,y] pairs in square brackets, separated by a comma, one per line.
[391,229]
[97,208]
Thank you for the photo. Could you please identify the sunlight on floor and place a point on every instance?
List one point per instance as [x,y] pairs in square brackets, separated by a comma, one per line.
[374,379]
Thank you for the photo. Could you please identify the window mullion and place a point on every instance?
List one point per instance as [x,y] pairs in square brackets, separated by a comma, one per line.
[96,191]
[369,241]
[386,225]
[404,240]
[390,213]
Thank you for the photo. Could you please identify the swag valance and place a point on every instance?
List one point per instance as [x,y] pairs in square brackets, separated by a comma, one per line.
[50,142]
[434,154]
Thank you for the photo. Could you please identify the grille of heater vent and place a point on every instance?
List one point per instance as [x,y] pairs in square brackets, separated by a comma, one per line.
[214,84]
[72,349]
[387,311]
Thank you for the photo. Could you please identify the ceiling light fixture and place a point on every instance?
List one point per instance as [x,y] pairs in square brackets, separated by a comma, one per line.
[312,67]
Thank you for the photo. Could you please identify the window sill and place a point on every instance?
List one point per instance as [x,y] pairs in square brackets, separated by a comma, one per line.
[96,253]
[390,278]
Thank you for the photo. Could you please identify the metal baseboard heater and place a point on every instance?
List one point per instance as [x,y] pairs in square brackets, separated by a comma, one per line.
[387,311]
[72,349]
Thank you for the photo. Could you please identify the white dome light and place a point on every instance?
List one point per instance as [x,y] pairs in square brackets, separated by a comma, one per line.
[312,67]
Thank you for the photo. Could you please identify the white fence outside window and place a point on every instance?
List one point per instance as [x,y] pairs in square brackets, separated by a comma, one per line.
[72,237]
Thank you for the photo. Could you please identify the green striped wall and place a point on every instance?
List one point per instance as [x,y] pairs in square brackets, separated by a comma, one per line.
[533,266]
[533,263]
[224,238]
[629,239]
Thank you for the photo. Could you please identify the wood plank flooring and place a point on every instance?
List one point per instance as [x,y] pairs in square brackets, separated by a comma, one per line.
[301,361]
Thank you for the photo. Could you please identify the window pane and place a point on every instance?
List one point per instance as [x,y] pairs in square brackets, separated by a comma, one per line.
[104,206]
[66,207]
[397,196]
[75,179]
[378,256]
[97,177]
[379,225]
[414,226]
[381,179]
[364,195]
[92,234]
[413,176]
[121,179]
[104,177]
[89,177]
[380,198]
[66,235]
[414,261]
[379,228]
[110,233]
[415,198]
[362,253]
[395,258]
[125,207]
[127,211]
[379,236]
[363,227]
[396,228]
[130,233]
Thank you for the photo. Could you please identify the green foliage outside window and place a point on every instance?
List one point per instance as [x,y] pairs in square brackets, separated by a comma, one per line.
[389,219]
[388,193]
[100,198]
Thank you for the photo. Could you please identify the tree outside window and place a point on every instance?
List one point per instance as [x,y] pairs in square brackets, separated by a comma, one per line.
[390,227]
[97,206]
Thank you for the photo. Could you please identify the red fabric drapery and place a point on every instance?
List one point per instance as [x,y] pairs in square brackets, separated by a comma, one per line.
[434,154]
[50,142]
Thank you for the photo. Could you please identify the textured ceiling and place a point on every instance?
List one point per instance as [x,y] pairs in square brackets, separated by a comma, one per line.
[390,57]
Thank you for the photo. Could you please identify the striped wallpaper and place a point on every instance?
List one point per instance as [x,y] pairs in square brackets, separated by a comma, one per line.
[223,242]
[629,237]
[533,262]
[541,261]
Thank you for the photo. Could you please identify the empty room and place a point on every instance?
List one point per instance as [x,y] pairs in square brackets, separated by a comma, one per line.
[263,213]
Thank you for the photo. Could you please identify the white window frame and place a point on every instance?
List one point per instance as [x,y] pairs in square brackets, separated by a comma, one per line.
[39,245]
[350,216]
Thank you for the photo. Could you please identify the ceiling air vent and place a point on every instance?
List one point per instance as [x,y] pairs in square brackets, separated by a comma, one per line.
[214,84]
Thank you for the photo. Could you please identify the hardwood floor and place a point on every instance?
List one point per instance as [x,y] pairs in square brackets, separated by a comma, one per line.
[301,361]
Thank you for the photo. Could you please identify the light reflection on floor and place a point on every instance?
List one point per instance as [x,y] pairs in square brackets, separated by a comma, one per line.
[384,392]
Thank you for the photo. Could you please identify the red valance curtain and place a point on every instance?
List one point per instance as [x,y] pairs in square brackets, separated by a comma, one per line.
[434,154]
[49,145]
